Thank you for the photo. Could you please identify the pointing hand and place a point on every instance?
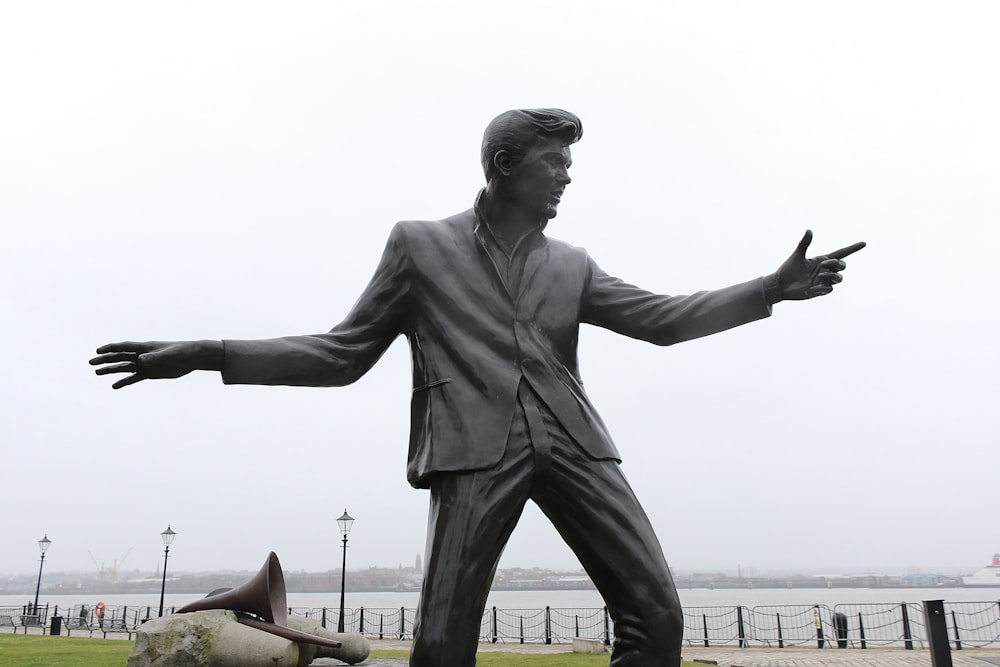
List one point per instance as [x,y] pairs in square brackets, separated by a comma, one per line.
[800,278]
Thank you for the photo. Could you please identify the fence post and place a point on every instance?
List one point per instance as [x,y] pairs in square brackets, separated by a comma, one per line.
[576,625]
[494,624]
[781,641]
[937,633]
[548,625]
[704,625]
[958,640]
[861,631]
[819,626]
[739,626]
[907,636]
[381,617]
[322,621]
[402,622]
[361,622]
[522,629]
[607,633]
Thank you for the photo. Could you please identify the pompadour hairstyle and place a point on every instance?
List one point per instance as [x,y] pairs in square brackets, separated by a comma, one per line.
[516,130]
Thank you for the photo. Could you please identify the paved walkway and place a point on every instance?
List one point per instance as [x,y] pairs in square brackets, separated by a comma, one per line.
[733,657]
[804,657]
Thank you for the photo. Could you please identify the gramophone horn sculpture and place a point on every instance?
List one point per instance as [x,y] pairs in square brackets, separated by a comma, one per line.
[259,603]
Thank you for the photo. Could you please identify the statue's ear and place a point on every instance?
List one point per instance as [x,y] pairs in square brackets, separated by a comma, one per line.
[503,162]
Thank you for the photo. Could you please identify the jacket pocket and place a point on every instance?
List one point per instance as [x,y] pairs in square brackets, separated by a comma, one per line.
[431,384]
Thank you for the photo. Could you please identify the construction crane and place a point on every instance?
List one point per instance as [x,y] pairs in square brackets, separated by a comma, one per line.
[113,569]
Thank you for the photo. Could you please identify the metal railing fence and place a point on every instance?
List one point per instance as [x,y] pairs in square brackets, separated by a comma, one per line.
[787,625]
[860,626]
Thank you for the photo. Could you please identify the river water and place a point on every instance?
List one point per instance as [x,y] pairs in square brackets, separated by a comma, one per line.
[697,597]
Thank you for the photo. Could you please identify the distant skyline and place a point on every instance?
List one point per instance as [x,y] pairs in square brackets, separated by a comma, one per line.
[192,170]
[734,570]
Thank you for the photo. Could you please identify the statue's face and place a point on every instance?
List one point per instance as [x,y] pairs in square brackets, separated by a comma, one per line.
[538,180]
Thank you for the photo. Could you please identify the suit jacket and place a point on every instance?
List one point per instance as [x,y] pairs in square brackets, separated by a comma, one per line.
[472,341]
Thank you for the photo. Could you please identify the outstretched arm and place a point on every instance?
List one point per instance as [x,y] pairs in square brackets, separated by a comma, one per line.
[336,358]
[157,360]
[665,320]
[799,278]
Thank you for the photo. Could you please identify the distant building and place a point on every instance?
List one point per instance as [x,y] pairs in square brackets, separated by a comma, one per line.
[920,579]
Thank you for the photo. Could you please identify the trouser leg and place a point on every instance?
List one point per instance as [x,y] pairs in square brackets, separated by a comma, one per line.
[594,509]
[471,517]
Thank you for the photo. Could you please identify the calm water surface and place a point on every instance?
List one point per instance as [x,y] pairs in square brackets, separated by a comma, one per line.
[567,599]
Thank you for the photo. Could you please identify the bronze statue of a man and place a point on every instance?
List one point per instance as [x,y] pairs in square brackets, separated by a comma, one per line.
[492,308]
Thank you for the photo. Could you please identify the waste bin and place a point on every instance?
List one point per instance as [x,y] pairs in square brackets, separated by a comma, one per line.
[840,626]
[56,628]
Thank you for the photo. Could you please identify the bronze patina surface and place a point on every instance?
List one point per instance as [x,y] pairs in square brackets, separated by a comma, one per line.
[491,306]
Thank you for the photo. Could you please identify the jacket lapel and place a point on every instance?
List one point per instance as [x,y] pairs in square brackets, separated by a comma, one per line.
[486,257]
[537,252]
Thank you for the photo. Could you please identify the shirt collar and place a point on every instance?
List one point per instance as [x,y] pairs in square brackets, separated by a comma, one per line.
[482,222]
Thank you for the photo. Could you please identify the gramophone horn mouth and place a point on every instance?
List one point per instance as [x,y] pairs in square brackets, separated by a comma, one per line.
[264,595]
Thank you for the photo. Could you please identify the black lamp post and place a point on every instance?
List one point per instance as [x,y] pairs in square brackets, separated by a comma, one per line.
[168,537]
[43,546]
[345,522]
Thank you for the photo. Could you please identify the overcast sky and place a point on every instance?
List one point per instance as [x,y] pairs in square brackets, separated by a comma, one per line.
[192,170]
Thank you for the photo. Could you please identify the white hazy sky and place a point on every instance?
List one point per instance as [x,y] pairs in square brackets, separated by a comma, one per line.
[231,169]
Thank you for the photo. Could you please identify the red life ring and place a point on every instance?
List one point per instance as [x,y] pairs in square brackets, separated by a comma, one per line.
[99,609]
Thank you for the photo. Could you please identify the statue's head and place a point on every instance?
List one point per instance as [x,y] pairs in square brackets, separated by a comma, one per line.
[526,155]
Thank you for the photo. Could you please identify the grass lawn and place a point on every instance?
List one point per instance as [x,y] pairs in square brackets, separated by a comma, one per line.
[46,651]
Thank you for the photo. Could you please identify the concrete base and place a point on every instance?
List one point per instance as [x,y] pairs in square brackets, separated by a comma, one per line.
[588,646]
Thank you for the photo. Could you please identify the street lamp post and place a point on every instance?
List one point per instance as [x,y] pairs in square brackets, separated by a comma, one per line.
[168,537]
[345,522]
[43,546]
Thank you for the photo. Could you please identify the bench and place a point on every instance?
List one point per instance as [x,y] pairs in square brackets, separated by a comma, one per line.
[115,625]
[8,621]
[77,623]
[32,621]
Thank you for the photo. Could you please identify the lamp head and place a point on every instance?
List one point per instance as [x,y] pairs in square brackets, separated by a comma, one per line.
[345,522]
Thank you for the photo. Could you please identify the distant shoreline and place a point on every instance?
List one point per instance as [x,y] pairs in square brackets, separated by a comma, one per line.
[409,580]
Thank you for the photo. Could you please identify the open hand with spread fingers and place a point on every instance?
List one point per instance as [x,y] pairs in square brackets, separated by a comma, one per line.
[155,360]
[800,278]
